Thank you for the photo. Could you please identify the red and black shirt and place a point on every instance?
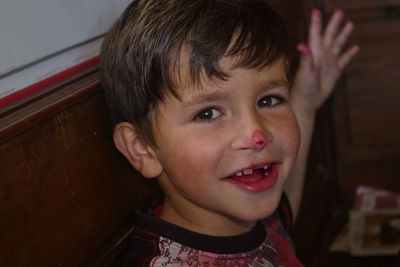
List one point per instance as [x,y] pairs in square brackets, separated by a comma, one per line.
[155,242]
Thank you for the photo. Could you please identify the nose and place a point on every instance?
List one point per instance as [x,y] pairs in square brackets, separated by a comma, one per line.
[257,140]
[251,133]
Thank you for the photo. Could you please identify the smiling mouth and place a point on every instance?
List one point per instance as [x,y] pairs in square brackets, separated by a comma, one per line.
[248,173]
[255,179]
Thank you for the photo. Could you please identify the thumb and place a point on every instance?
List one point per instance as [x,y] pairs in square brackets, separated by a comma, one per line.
[306,59]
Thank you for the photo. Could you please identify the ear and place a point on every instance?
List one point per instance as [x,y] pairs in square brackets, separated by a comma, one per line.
[139,154]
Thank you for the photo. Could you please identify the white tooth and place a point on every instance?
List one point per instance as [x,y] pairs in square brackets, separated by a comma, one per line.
[239,174]
[266,167]
[248,171]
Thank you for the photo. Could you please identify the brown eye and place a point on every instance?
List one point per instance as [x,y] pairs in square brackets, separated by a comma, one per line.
[269,101]
[208,114]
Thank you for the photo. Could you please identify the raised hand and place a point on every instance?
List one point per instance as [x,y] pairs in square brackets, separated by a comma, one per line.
[322,59]
[321,63]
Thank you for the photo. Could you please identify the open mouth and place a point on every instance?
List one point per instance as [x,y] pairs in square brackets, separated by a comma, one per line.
[252,173]
[255,179]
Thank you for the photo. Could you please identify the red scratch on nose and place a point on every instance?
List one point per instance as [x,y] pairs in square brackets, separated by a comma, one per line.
[258,139]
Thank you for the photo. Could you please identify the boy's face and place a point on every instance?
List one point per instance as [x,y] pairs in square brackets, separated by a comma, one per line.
[226,150]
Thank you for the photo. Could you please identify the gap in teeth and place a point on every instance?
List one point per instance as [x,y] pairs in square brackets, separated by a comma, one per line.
[250,171]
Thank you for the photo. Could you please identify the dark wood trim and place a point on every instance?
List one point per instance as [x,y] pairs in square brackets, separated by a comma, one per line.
[64,188]
[28,112]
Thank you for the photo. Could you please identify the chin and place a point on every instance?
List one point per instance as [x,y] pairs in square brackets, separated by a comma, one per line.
[256,215]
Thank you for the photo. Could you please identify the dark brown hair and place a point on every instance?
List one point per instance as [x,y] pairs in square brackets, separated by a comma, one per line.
[141,52]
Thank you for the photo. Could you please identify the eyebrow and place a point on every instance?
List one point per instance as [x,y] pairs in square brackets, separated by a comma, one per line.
[211,97]
[216,96]
[277,83]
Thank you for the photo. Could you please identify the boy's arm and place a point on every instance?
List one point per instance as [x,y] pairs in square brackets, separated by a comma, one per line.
[321,64]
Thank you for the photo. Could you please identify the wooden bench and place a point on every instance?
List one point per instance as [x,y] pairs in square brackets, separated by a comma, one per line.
[64,189]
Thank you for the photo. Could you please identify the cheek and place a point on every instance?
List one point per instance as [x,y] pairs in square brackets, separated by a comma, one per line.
[194,164]
[200,151]
[290,135]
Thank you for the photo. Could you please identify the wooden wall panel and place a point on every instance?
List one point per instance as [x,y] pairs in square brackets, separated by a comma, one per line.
[64,189]
[366,109]
[293,12]
[357,4]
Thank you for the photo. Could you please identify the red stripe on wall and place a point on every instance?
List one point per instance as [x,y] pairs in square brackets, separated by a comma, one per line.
[7,100]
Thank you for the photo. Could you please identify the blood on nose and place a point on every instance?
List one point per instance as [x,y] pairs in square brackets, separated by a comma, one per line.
[258,140]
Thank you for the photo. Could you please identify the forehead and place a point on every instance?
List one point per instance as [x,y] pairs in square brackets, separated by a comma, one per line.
[187,87]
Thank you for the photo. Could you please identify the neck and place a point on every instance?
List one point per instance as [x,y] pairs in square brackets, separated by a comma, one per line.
[204,222]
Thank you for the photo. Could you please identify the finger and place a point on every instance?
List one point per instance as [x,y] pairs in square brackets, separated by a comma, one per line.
[332,27]
[306,60]
[347,56]
[342,37]
[314,39]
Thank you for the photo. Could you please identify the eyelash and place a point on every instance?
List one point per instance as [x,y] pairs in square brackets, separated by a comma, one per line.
[281,100]
[211,110]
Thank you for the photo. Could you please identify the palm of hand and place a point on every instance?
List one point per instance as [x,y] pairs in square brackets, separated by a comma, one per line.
[322,61]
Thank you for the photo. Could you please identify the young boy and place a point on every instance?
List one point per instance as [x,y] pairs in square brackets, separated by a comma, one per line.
[199,93]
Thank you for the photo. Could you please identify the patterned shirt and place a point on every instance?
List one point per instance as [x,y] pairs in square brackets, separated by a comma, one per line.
[154,242]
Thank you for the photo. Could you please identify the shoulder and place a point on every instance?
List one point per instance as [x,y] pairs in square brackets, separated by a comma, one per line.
[280,222]
[137,251]
[280,241]
[277,226]
[140,245]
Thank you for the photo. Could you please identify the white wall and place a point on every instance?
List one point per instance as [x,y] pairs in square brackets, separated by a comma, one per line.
[33,30]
